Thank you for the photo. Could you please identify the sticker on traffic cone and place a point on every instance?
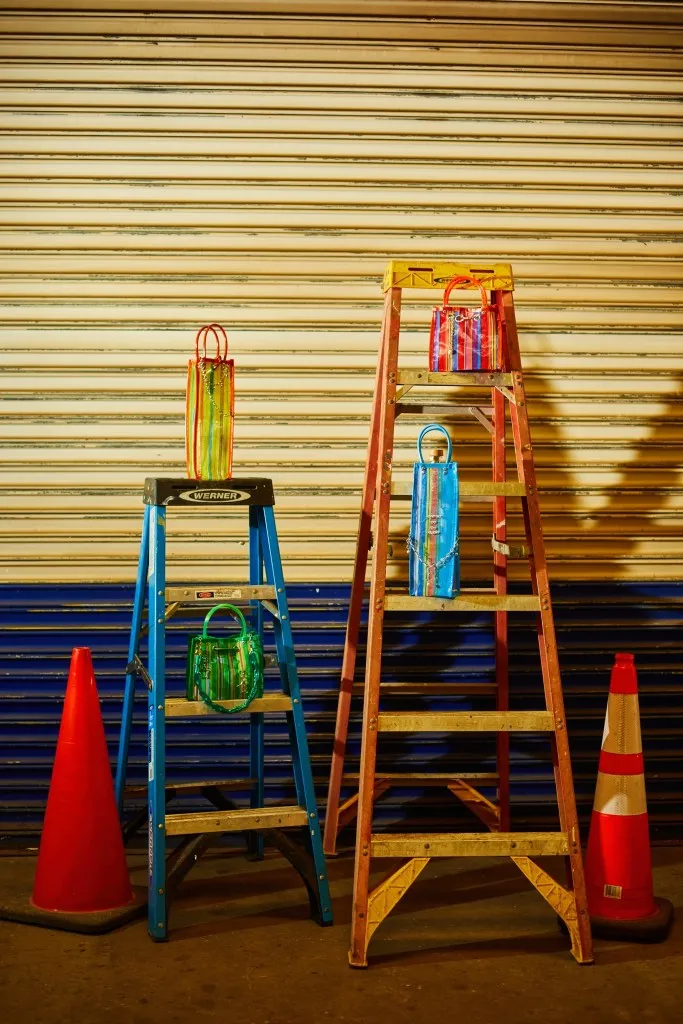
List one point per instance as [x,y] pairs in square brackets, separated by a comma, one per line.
[81,881]
[618,866]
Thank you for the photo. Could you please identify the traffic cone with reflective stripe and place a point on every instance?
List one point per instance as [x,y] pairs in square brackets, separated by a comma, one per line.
[618,866]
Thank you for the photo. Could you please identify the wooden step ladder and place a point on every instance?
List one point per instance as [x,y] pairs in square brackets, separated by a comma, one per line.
[294,830]
[506,389]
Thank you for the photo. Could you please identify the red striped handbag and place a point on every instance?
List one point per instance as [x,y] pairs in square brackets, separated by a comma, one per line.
[462,338]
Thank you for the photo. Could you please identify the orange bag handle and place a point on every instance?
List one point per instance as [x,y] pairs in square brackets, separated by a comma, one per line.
[221,339]
[468,279]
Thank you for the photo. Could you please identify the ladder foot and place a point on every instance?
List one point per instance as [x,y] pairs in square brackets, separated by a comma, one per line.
[324,918]
[300,856]
[582,958]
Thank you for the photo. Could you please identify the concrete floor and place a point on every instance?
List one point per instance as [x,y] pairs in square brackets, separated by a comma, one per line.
[471,942]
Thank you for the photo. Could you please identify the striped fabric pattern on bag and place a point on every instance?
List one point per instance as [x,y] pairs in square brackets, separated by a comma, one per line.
[209,419]
[433,544]
[461,340]
[210,407]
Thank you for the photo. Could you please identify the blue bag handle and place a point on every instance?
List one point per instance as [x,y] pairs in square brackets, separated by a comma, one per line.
[426,430]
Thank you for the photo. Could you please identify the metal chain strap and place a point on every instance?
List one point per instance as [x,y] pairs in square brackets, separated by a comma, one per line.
[432,567]
[201,364]
[460,318]
[203,668]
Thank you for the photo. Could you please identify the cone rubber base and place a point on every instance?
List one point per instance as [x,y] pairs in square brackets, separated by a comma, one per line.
[654,928]
[17,906]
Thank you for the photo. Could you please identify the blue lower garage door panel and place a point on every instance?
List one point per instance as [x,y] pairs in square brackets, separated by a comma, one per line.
[41,624]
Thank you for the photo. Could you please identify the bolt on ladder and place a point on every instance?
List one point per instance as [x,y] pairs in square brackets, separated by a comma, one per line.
[301,843]
[506,389]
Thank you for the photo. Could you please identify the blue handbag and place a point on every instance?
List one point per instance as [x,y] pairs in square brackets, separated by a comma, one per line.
[433,543]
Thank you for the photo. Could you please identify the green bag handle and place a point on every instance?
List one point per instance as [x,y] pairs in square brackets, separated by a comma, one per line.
[253,690]
[235,611]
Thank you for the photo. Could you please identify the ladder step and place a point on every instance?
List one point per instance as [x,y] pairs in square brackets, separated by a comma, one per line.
[483,378]
[179,707]
[234,821]
[470,844]
[210,593]
[466,601]
[472,491]
[465,721]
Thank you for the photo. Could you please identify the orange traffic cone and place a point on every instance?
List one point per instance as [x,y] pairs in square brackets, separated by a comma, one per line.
[617,865]
[81,881]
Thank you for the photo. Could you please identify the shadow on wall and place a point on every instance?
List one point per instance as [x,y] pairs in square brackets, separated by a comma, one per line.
[627,506]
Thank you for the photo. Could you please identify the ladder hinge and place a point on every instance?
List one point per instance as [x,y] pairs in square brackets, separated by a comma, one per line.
[136,668]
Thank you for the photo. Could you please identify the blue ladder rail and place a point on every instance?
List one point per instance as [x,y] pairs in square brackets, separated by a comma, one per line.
[293,830]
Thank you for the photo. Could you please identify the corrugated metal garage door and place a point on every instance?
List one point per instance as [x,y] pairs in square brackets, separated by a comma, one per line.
[257,163]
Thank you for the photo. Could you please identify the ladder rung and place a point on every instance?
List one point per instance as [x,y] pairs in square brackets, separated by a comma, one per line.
[481,378]
[211,592]
[234,821]
[465,721]
[469,490]
[179,707]
[466,601]
[470,844]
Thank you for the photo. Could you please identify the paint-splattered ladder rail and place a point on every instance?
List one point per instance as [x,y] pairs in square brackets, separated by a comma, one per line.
[505,393]
[293,830]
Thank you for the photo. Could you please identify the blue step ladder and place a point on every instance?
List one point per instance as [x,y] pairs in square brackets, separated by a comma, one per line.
[294,830]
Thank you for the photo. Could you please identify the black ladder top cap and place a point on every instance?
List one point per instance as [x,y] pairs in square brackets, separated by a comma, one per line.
[208,493]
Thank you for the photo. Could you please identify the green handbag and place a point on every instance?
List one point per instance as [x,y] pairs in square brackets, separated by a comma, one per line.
[225,667]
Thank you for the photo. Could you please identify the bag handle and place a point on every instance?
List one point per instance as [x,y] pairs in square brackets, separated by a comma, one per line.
[465,279]
[233,611]
[426,430]
[219,336]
